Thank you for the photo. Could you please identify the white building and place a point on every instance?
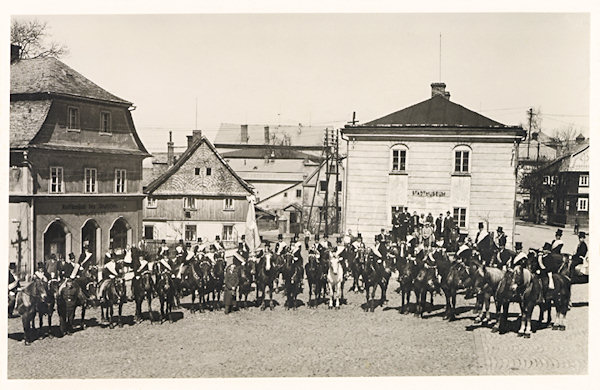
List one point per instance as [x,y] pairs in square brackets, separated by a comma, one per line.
[434,156]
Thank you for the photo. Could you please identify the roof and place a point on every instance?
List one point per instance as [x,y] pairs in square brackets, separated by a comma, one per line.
[26,119]
[273,153]
[299,135]
[279,192]
[296,206]
[564,163]
[185,156]
[49,75]
[266,212]
[437,111]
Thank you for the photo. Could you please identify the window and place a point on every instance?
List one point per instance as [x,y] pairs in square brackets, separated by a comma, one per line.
[190,232]
[582,204]
[151,203]
[285,194]
[73,118]
[460,217]
[398,160]
[208,171]
[228,204]
[339,186]
[227,233]
[298,193]
[197,171]
[546,180]
[461,161]
[90,180]
[323,185]
[120,181]
[105,125]
[148,232]
[56,180]
[584,180]
[189,202]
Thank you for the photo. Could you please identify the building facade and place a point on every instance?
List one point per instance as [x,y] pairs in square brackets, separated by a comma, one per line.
[198,196]
[435,156]
[75,165]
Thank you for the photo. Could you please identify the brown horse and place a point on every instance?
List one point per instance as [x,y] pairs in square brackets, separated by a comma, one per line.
[314,274]
[374,273]
[69,297]
[528,288]
[143,288]
[267,272]
[246,273]
[114,294]
[46,308]
[293,275]
[166,295]
[27,302]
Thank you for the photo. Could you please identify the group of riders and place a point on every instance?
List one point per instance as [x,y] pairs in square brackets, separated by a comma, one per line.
[412,237]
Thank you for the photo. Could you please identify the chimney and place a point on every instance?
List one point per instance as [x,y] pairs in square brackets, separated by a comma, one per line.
[244,134]
[14,53]
[170,150]
[580,138]
[439,89]
[196,135]
[267,137]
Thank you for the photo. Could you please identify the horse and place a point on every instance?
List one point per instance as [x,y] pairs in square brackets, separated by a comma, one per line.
[356,261]
[485,283]
[166,295]
[335,276]
[27,301]
[87,282]
[529,290]
[246,274]
[114,294]
[293,275]
[191,282]
[456,278]
[424,282]
[374,274]
[266,274]
[314,275]
[219,280]
[143,288]
[68,298]
[46,307]
[207,282]
[407,270]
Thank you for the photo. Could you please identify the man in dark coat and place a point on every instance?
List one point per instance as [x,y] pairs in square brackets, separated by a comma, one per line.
[557,243]
[500,239]
[231,284]
[404,220]
[86,259]
[53,267]
[396,226]
[448,226]
[243,248]
[580,254]
[439,221]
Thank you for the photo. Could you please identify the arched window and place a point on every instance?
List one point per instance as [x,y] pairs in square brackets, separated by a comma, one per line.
[398,158]
[462,159]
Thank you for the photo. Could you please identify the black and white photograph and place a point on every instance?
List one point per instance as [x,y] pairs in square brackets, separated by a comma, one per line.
[298,194]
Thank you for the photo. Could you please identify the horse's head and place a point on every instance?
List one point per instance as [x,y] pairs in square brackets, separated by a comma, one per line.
[39,289]
[334,262]
[251,267]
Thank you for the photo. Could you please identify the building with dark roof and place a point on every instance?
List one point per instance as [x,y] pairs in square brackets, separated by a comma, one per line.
[195,195]
[435,156]
[75,165]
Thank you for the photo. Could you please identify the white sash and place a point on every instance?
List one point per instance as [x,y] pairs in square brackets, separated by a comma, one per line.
[282,245]
[462,248]
[556,243]
[164,262]
[519,256]
[75,270]
[481,236]
[112,267]
[127,259]
[88,256]
[143,263]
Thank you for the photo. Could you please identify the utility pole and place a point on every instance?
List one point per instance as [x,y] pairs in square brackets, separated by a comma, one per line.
[327,173]
[530,114]
[337,178]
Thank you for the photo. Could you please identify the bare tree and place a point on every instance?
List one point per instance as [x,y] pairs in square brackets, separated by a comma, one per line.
[30,36]
[564,138]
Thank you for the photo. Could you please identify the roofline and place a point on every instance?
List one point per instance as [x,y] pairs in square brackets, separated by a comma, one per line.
[184,157]
[18,96]
[82,149]
[262,146]
[280,192]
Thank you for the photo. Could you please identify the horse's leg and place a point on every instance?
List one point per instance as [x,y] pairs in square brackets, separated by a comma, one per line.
[121,301]
[271,297]
[529,311]
[367,296]
[523,320]
[373,298]
[149,298]
[447,311]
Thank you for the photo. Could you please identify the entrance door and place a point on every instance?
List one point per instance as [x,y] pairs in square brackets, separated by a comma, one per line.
[55,240]
[119,234]
[90,236]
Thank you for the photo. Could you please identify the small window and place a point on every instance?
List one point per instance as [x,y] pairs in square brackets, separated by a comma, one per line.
[151,203]
[105,123]
[584,180]
[227,233]
[285,194]
[546,180]
[298,193]
[148,232]
[190,232]
[73,118]
[323,185]
[398,160]
[461,161]
[197,171]
[582,204]
[339,186]
[228,204]
[208,171]
[189,203]
[120,181]
[460,217]
[91,175]
[56,180]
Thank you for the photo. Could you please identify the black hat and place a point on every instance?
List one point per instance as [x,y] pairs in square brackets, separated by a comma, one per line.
[243,236]
[163,241]
[518,245]
[499,230]
[200,239]
[382,230]
[325,236]
[12,266]
[581,234]
[406,209]
[188,245]
[181,241]
[72,256]
[268,244]
[547,246]
[359,235]
[480,225]
[40,265]
[217,238]
[559,232]
[317,237]
[338,240]
[280,236]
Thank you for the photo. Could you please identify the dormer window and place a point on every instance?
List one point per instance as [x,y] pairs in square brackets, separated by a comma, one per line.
[73,118]
[105,122]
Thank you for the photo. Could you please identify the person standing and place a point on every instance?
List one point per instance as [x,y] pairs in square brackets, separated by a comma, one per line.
[427,235]
[404,220]
[448,226]
[231,283]
[429,218]
[306,238]
[439,222]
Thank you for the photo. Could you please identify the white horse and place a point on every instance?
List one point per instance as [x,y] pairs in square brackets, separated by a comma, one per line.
[335,275]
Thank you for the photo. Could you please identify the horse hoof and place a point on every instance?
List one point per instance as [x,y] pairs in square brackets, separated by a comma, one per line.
[120,325]
[50,336]
[527,335]
[562,327]
[555,327]
[495,330]
[520,334]
[111,326]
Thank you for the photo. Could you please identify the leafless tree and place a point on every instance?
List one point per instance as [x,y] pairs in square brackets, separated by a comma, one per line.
[31,37]
[564,138]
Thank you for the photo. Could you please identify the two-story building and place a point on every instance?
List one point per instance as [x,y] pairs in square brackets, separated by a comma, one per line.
[197,195]
[435,156]
[75,165]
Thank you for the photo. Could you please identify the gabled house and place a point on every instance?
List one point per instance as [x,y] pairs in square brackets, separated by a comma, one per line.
[198,195]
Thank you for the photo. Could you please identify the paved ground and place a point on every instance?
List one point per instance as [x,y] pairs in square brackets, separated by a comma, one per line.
[308,342]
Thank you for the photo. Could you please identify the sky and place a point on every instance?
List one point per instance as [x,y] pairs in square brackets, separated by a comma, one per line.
[200,70]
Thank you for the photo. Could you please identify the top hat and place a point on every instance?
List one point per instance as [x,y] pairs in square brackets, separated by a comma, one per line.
[243,236]
[200,239]
[518,245]
[72,256]
[338,240]
[188,245]
[53,256]
[325,236]
[559,232]
[163,241]
[12,266]
[499,230]
[180,241]
[581,234]
[217,238]
[359,235]
[261,238]
[547,246]
[40,265]
[280,236]
[480,225]
[317,237]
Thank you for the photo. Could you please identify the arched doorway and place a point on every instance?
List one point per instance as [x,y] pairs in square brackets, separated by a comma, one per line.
[56,239]
[91,236]
[120,234]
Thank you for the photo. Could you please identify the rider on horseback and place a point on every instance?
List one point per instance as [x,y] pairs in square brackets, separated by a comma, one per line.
[280,245]
[557,244]
[163,250]
[520,258]
[580,254]
[190,255]
[109,271]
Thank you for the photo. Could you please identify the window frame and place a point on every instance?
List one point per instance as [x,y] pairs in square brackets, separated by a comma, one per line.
[197,171]
[95,180]
[298,193]
[148,227]
[151,202]
[580,203]
[189,203]
[70,126]
[208,171]
[108,113]
[225,237]
[61,184]
[226,207]
[586,182]
[401,168]
[321,185]
[123,178]
[187,230]
[462,150]
[460,215]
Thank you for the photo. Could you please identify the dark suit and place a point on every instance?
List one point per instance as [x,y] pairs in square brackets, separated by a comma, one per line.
[448,226]
[231,283]
[438,227]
